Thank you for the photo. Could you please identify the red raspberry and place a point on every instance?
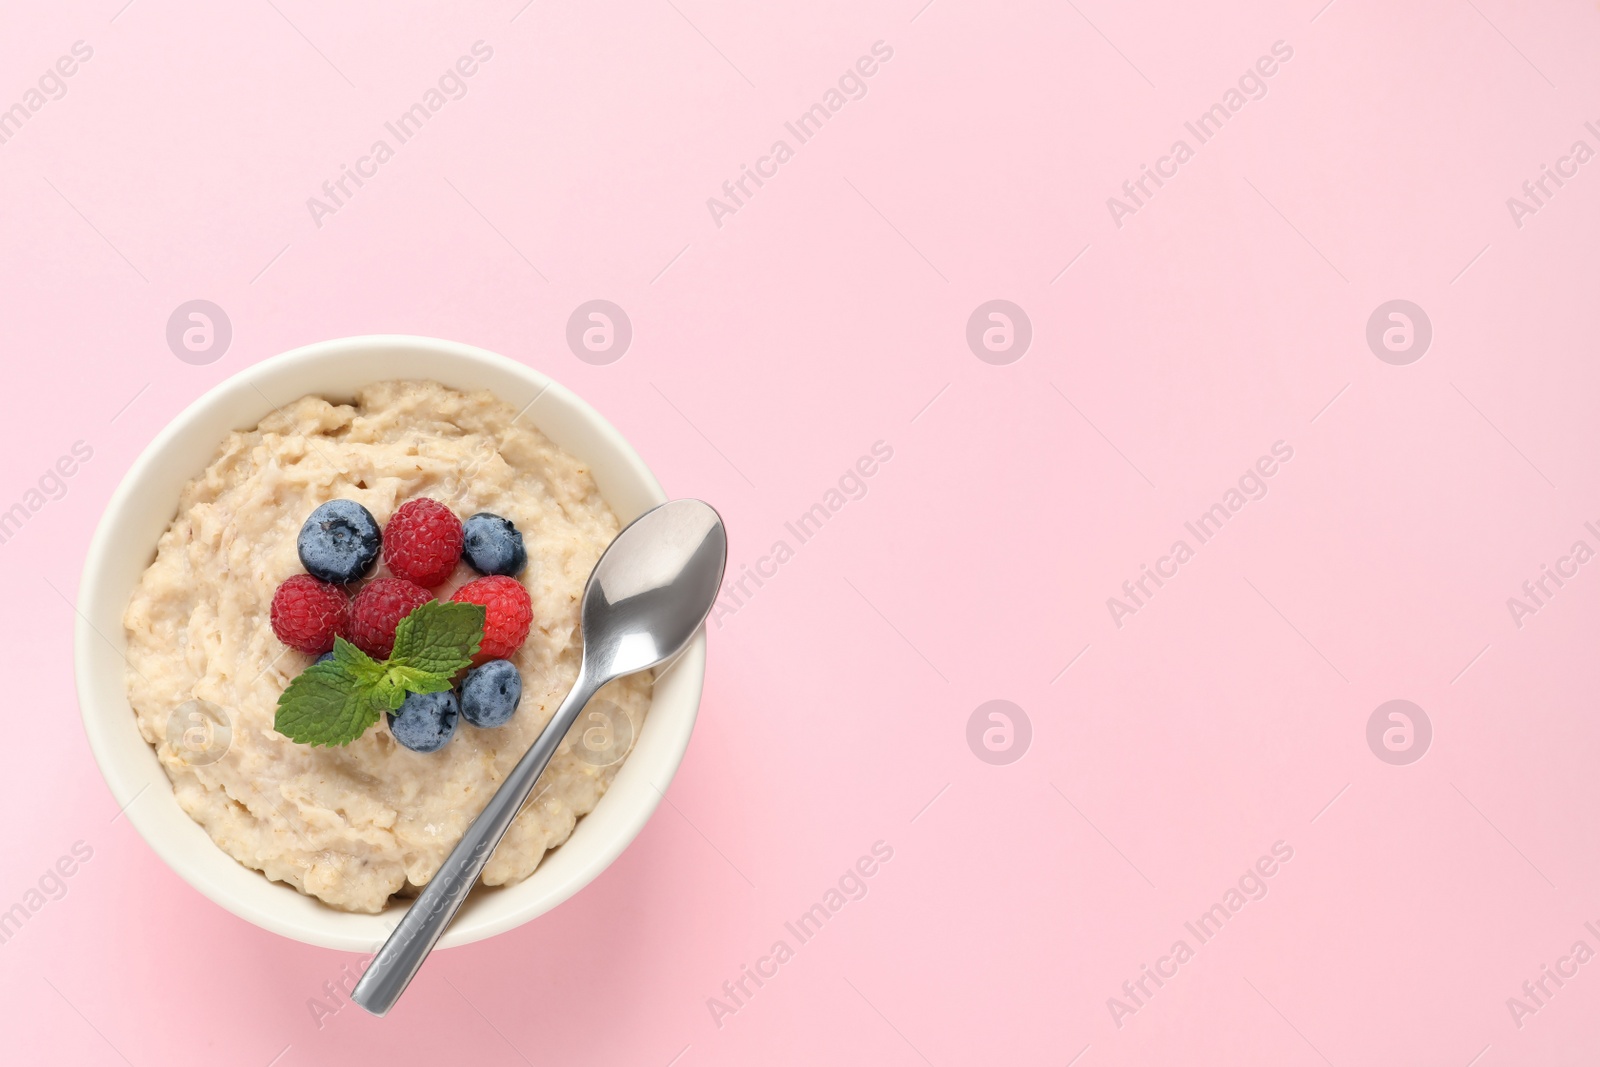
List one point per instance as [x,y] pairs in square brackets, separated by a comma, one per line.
[508,614]
[422,542]
[306,614]
[378,609]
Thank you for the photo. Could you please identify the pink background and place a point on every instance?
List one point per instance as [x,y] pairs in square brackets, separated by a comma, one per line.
[1228,313]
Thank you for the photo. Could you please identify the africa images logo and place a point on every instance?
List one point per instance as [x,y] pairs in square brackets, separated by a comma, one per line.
[1252,485]
[451,85]
[1251,886]
[1252,85]
[852,85]
[852,885]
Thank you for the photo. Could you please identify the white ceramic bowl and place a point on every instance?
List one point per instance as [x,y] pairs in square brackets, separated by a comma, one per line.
[145,503]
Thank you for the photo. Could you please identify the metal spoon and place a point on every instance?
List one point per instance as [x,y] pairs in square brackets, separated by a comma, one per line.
[648,596]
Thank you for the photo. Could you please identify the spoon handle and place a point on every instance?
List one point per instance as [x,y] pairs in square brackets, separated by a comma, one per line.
[392,969]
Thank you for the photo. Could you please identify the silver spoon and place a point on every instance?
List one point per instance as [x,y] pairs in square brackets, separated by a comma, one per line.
[648,596]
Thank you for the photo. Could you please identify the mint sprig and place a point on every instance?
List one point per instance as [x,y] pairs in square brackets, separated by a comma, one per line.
[333,702]
[440,637]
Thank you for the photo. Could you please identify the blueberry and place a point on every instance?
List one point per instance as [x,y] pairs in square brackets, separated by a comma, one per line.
[339,542]
[491,693]
[325,657]
[494,545]
[425,721]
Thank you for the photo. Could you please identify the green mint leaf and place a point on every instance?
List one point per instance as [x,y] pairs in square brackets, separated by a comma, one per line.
[439,637]
[326,704]
[357,663]
[334,702]
[389,693]
[396,681]
[416,680]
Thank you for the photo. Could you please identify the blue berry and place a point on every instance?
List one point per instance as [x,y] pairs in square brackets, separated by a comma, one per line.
[339,542]
[490,693]
[494,545]
[325,657]
[425,721]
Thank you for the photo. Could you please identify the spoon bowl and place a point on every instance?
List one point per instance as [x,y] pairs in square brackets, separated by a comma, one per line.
[634,601]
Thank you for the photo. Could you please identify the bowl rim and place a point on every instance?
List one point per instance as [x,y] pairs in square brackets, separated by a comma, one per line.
[128,782]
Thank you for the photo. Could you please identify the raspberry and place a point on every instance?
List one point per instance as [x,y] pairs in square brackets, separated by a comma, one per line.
[307,614]
[378,609]
[508,614]
[422,542]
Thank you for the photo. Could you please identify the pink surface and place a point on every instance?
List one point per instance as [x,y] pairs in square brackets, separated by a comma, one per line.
[1175,341]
